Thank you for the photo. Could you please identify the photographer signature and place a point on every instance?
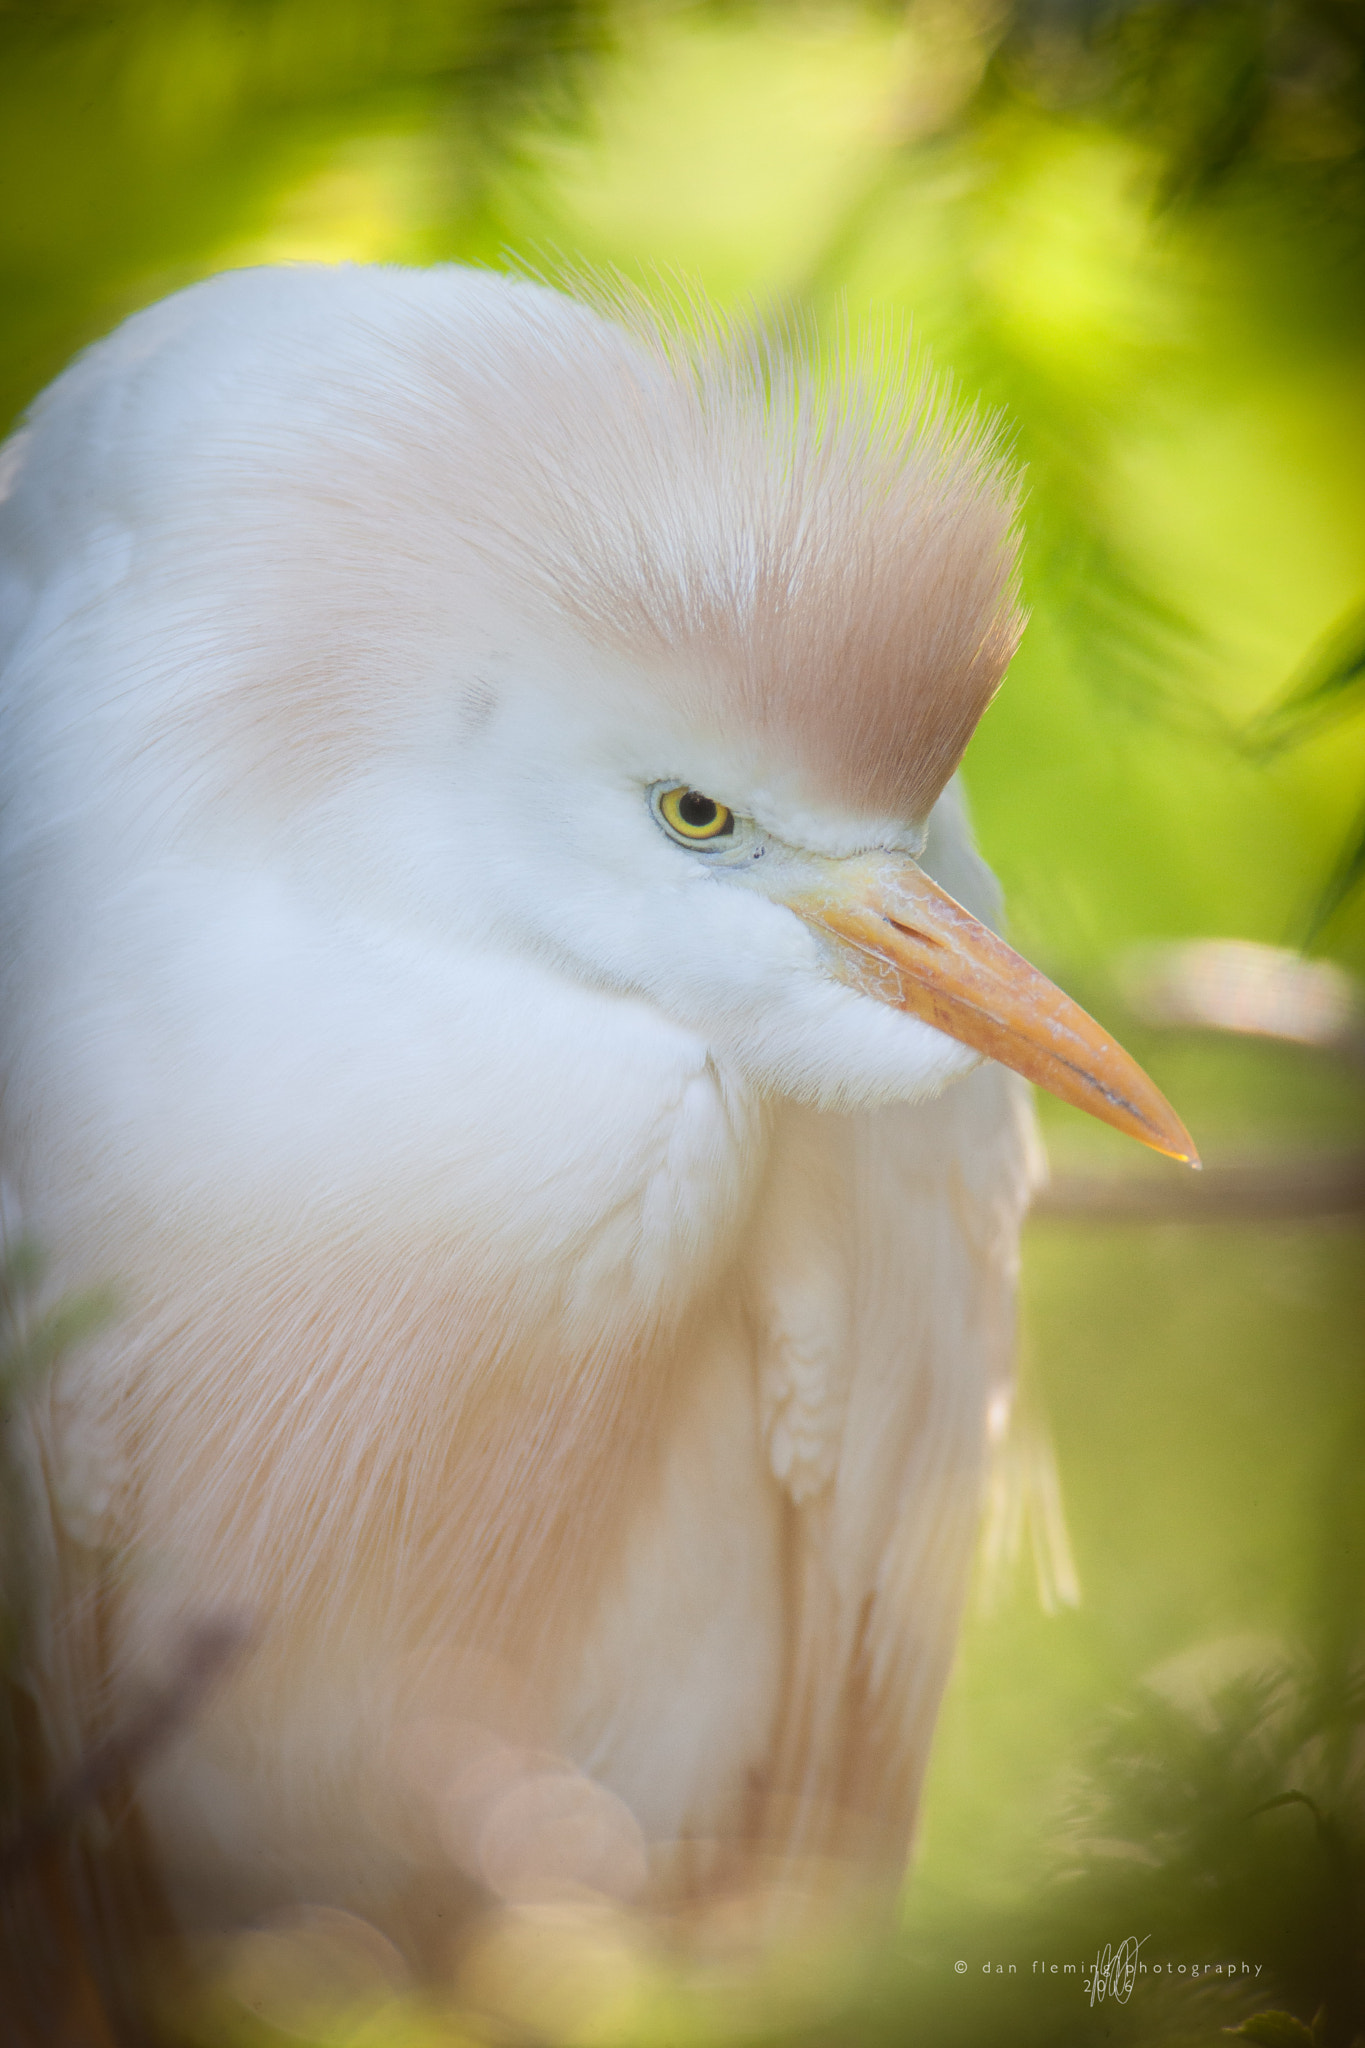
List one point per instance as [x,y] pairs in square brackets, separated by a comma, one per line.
[1114,1972]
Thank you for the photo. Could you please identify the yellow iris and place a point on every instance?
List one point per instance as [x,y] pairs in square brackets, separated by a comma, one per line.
[694,816]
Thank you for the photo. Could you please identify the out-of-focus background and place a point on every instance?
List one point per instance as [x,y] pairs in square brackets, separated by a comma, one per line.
[1138,228]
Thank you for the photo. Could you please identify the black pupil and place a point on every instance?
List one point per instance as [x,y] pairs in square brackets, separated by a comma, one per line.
[697,811]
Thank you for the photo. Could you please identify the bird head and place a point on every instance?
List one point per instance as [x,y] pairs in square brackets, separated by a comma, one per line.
[645,647]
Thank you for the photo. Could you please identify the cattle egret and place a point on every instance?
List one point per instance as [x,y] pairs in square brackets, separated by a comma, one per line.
[484,955]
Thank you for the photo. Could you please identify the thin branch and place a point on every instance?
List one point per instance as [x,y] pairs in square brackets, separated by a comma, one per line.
[1304,1187]
[119,1756]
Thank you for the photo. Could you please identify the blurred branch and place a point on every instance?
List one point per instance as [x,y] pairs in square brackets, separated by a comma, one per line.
[1307,1187]
[81,1909]
[1249,990]
[1236,988]
[113,1762]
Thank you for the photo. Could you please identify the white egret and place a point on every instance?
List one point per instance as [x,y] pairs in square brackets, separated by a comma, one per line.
[473,767]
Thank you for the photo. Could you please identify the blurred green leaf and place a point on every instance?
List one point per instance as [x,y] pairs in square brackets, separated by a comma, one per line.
[135,137]
[1342,885]
[1222,87]
[1331,685]
[1273,2029]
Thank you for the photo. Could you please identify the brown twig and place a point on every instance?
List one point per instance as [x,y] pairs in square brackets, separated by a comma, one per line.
[1301,1187]
[121,1755]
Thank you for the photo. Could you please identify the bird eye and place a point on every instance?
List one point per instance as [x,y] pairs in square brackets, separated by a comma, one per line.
[693,817]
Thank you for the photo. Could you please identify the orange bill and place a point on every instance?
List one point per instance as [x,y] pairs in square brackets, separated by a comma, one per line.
[897,936]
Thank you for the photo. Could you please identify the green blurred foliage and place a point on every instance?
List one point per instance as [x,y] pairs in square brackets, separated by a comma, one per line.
[1138,228]
[138,139]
